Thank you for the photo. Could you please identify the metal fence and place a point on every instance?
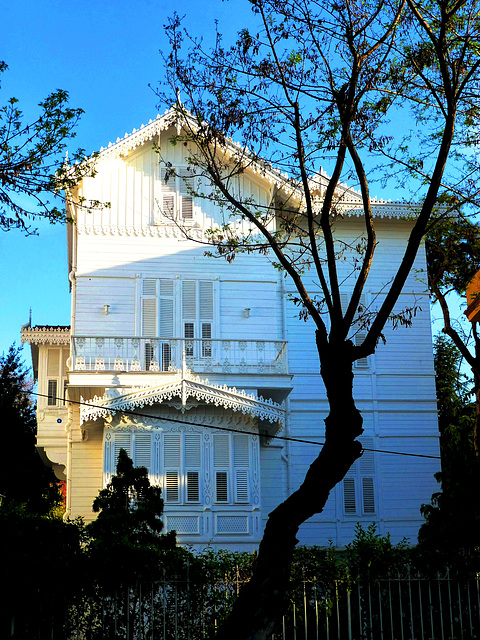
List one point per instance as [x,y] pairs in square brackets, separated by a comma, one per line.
[440,608]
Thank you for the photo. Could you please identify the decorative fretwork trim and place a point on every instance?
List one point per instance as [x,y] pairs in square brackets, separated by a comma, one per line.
[346,202]
[184,386]
[46,335]
[153,231]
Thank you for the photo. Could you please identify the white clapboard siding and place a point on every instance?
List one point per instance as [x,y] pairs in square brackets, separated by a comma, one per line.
[157,283]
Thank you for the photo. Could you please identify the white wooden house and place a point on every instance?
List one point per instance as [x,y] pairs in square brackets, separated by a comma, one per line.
[193,365]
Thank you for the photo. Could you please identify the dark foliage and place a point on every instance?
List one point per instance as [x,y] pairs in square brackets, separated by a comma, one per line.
[125,540]
[452,519]
[42,570]
[23,477]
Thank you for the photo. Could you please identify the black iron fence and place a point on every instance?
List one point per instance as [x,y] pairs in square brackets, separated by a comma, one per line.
[402,608]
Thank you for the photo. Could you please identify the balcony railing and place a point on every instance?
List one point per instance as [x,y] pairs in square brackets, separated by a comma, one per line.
[163,355]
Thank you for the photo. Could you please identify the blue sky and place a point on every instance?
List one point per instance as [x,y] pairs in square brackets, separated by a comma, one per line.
[105,53]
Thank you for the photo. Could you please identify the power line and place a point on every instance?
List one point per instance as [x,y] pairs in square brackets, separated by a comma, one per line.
[230,429]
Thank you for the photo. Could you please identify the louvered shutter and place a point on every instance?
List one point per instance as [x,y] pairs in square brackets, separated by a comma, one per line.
[241,463]
[189,314]
[186,185]
[192,461]
[121,441]
[143,450]
[349,500]
[221,463]
[166,321]
[172,463]
[189,300]
[205,288]
[167,329]
[149,308]
[168,191]
[206,300]
[53,363]
[172,486]
[368,496]
[367,472]
[149,317]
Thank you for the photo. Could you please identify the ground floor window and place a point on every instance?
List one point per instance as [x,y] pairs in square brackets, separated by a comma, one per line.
[193,466]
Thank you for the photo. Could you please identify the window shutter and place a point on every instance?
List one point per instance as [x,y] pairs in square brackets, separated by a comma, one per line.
[168,188]
[149,308]
[121,441]
[53,363]
[367,472]
[149,287]
[206,315]
[52,393]
[149,317]
[172,461]
[167,324]
[367,461]
[143,450]
[206,299]
[221,453]
[186,184]
[221,486]
[192,460]
[171,449]
[368,496]
[189,300]
[241,485]
[171,486]
[221,458]
[192,450]
[186,208]
[241,454]
[193,486]
[349,501]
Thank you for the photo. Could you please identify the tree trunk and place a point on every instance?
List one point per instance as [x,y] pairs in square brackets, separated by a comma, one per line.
[262,601]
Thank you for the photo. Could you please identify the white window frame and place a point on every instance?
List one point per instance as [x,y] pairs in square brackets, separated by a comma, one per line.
[359,485]
[174,200]
[235,462]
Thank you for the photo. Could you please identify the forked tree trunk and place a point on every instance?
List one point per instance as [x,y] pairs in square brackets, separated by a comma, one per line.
[262,601]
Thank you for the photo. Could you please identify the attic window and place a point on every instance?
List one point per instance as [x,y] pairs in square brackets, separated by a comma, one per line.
[174,201]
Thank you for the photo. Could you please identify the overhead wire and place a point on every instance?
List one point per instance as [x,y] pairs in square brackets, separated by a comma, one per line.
[220,428]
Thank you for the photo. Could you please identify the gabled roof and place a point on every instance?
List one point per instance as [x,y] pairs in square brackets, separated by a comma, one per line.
[349,200]
[183,385]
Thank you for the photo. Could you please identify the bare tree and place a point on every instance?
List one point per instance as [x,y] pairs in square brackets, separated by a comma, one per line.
[325,82]
[33,166]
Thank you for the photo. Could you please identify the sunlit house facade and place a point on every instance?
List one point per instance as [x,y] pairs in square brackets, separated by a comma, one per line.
[200,368]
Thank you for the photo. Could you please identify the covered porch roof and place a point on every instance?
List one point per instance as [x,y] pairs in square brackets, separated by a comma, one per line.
[184,386]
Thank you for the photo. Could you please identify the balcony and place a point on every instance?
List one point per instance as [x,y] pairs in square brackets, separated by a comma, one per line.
[163,355]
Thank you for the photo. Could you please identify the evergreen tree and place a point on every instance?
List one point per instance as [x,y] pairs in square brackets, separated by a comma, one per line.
[23,477]
[126,541]
[452,518]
